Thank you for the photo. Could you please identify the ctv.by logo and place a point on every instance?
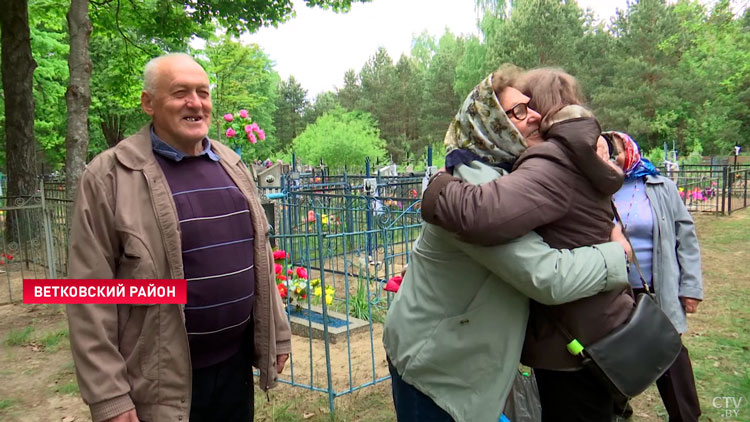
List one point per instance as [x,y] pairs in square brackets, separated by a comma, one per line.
[730,406]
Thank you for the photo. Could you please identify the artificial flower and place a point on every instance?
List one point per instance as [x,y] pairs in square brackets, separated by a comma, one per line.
[277,268]
[393,284]
[282,290]
[302,272]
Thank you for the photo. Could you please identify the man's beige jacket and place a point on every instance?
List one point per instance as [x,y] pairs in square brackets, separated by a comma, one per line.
[125,226]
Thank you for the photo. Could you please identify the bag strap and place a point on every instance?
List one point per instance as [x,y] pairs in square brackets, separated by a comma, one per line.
[634,258]
[574,346]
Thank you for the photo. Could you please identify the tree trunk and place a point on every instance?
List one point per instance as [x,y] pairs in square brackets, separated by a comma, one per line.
[112,129]
[18,70]
[78,95]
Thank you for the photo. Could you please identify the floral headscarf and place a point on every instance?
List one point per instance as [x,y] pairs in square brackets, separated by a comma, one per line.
[635,166]
[482,128]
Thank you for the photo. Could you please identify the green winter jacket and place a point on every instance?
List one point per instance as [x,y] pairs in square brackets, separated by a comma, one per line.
[456,327]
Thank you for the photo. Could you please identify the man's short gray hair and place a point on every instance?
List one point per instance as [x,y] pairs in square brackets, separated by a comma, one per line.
[150,70]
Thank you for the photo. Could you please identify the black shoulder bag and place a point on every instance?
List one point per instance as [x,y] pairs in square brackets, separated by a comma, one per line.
[634,355]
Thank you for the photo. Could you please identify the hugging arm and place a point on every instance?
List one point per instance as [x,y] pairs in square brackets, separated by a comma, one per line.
[500,210]
[552,276]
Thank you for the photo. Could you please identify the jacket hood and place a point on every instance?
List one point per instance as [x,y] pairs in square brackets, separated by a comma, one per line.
[576,131]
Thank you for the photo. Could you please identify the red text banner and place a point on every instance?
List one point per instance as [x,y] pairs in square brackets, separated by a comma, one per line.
[104,291]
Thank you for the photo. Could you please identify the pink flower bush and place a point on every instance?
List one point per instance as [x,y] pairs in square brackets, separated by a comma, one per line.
[241,122]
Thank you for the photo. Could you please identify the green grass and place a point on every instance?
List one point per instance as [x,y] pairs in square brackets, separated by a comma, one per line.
[69,388]
[719,334]
[6,403]
[19,337]
[51,341]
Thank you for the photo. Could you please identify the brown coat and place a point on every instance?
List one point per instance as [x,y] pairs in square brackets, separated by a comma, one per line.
[562,190]
[125,226]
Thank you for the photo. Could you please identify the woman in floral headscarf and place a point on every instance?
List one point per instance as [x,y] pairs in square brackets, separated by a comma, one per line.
[664,240]
[454,330]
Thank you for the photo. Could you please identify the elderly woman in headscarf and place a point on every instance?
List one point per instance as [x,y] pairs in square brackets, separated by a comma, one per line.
[664,240]
[561,189]
[454,331]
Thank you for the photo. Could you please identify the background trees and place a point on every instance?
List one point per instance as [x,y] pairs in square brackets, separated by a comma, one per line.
[340,138]
[675,74]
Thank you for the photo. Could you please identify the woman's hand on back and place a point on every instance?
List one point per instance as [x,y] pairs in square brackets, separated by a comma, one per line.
[619,237]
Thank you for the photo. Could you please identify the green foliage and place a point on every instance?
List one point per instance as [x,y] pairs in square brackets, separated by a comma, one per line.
[340,138]
[242,78]
[322,104]
[291,105]
[50,50]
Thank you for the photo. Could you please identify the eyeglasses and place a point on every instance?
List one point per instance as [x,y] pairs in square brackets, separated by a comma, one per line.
[519,111]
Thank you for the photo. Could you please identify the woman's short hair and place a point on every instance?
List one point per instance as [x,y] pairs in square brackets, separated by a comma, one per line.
[550,89]
[506,75]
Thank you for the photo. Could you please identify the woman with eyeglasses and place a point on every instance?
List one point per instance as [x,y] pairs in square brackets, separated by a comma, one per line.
[561,189]
[663,236]
[455,329]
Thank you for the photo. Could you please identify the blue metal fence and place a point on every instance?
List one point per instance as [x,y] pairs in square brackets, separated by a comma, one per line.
[354,240]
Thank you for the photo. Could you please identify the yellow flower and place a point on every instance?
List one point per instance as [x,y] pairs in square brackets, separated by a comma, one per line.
[330,290]
[323,219]
[318,291]
[315,282]
[329,299]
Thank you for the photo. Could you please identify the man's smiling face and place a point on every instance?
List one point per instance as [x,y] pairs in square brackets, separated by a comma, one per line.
[180,104]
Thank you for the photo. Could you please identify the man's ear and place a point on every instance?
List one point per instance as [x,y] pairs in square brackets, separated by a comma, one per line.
[146,103]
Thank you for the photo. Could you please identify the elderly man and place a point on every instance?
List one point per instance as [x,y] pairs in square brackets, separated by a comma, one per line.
[168,202]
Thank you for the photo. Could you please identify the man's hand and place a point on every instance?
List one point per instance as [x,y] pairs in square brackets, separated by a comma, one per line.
[128,416]
[280,362]
[619,237]
[690,304]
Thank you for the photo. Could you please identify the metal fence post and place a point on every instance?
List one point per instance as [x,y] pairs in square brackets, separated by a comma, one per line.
[47,233]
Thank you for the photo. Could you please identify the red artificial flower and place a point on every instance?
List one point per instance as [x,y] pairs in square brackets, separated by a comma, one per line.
[281,277]
[277,268]
[282,290]
[280,254]
[289,272]
[9,256]
[301,273]
[393,284]
[310,216]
